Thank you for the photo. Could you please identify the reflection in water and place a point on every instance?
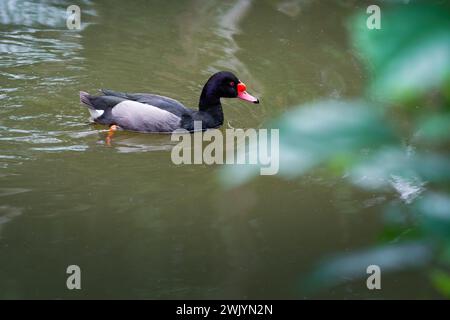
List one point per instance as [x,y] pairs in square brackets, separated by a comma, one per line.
[212,28]
[228,28]
[38,57]
[127,143]
[31,13]
[48,13]
[211,34]
[35,32]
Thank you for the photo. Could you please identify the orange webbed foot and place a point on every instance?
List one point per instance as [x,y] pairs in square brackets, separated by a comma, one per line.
[113,128]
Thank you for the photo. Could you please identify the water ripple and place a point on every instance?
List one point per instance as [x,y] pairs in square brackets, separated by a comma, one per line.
[32,13]
[63,148]
[8,213]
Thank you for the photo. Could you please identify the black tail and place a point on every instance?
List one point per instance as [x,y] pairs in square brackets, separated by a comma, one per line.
[85,98]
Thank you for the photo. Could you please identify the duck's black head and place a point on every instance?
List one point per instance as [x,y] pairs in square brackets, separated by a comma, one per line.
[223,84]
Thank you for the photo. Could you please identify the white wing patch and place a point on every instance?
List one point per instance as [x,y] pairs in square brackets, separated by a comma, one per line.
[95,113]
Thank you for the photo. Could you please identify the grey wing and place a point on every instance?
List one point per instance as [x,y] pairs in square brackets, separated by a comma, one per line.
[135,116]
[161,102]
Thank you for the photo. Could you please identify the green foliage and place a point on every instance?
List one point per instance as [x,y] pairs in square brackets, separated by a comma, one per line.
[409,63]
[328,131]
[409,56]
[433,211]
[434,129]
[441,281]
[389,258]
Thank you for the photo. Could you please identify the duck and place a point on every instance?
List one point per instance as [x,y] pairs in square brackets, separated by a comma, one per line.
[146,112]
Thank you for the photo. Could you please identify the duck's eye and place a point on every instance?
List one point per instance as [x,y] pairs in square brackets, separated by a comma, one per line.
[232,84]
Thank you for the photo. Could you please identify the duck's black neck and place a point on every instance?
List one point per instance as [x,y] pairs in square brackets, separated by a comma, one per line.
[210,103]
[208,98]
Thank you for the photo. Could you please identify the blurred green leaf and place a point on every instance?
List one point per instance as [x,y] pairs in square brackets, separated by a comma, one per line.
[441,281]
[349,267]
[444,255]
[390,166]
[434,129]
[326,131]
[434,213]
[410,54]
[376,171]
[392,234]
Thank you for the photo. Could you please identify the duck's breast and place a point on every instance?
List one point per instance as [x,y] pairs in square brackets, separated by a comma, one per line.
[135,116]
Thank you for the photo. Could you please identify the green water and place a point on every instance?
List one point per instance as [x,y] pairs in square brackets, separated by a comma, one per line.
[136,224]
